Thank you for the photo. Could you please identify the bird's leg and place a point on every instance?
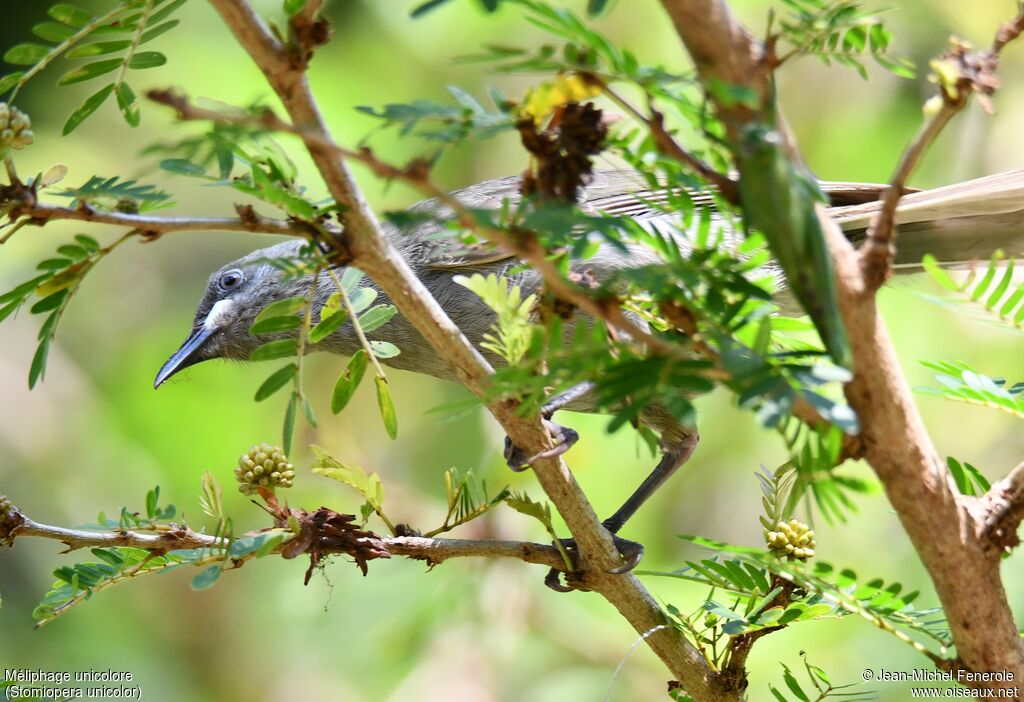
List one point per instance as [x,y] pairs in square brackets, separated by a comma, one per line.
[675,452]
[565,437]
[677,445]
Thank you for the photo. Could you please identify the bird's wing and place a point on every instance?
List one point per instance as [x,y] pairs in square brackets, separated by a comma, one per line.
[618,193]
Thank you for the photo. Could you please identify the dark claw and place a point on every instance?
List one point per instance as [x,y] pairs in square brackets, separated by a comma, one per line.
[553,580]
[564,439]
[631,551]
[515,457]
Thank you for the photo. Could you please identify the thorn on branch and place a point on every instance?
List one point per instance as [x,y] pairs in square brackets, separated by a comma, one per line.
[10,519]
[308,33]
[248,215]
[1003,512]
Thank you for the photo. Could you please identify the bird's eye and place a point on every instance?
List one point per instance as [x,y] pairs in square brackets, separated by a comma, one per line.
[230,280]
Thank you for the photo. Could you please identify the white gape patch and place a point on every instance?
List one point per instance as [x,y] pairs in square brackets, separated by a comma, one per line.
[218,312]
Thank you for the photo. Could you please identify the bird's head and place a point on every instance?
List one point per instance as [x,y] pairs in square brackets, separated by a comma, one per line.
[234,295]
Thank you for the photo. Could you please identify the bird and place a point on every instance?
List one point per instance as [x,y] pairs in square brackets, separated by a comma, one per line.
[957,224]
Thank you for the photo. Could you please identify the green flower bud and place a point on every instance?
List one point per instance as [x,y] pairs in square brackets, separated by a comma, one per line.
[264,465]
[15,128]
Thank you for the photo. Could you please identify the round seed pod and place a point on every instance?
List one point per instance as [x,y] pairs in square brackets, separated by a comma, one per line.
[15,128]
[264,465]
[792,540]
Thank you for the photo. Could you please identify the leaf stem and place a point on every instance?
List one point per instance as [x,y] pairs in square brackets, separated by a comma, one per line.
[82,33]
[136,40]
[363,341]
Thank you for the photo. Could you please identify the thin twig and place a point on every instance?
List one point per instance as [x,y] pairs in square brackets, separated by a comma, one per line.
[39,214]
[363,341]
[182,537]
[975,74]
[667,145]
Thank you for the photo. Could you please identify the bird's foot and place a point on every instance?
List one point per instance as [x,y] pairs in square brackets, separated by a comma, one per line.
[564,437]
[630,551]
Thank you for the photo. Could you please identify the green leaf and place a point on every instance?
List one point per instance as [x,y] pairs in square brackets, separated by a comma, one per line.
[387,407]
[362,299]
[38,368]
[20,292]
[275,324]
[73,251]
[53,264]
[277,380]
[327,326]
[128,104]
[165,11]
[9,309]
[369,486]
[182,166]
[293,7]
[90,244]
[793,685]
[348,381]
[384,349]
[146,59]
[70,14]
[281,348]
[281,308]
[289,423]
[88,107]
[10,80]
[98,49]
[207,578]
[938,273]
[426,7]
[53,31]
[151,34]
[307,409]
[152,498]
[50,302]
[376,317]
[779,199]
[89,71]
[26,54]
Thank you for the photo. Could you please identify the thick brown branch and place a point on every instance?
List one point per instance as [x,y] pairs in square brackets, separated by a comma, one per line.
[964,570]
[374,255]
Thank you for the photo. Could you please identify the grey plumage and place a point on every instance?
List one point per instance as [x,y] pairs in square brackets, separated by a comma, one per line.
[957,224]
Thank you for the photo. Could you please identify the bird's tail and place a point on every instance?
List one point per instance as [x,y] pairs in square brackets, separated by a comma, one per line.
[957,224]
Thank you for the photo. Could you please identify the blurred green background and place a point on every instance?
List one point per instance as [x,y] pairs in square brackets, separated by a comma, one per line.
[96,436]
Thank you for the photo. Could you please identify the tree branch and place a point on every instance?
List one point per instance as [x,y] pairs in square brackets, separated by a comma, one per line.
[371,251]
[177,538]
[1001,511]
[965,571]
[668,146]
[960,74]
[39,214]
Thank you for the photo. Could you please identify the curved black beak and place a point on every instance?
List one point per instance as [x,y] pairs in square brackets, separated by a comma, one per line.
[187,355]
